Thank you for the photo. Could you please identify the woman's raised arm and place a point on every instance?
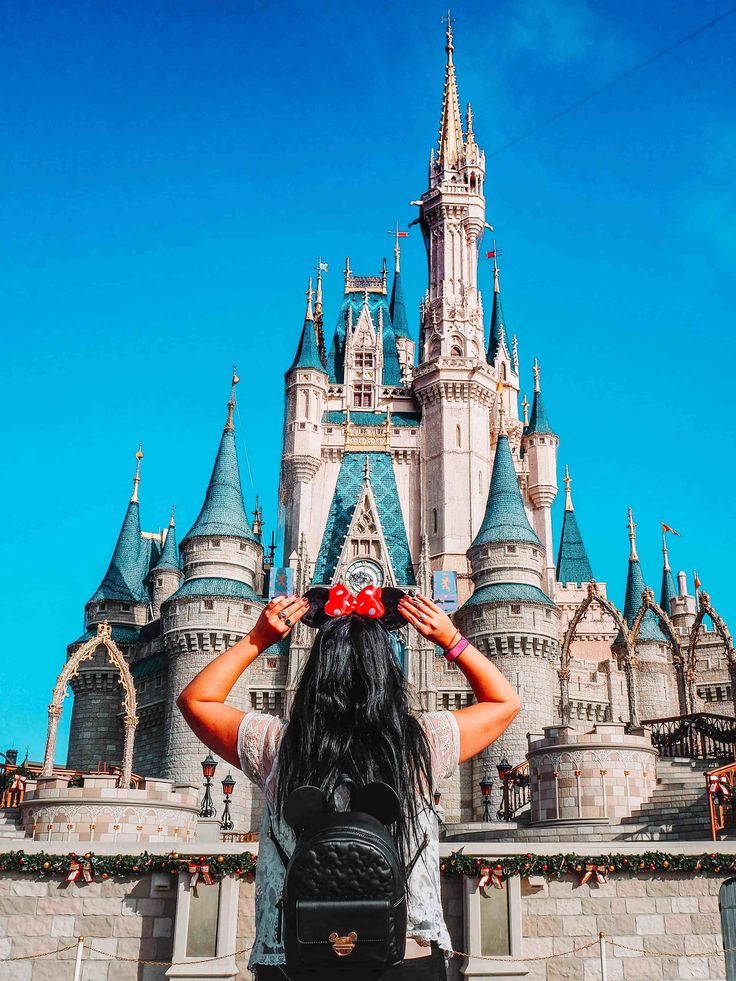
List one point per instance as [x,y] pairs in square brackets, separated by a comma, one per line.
[497,702]
[202,703]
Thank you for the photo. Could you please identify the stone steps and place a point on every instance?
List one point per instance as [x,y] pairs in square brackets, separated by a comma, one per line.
[10,823]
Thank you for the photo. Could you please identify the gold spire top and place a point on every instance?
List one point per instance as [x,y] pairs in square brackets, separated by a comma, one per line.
[633,557]
[229,426]
[525,407]
[451,130]
[137,478]
[309,295]
[568,495]
[536,369]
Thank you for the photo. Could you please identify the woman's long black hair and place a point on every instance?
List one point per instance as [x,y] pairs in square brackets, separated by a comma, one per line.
[350,715]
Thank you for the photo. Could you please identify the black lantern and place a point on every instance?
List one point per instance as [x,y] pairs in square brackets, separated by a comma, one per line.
[209,765]
[486,786]
[228,786]
[437,794]
[504,768]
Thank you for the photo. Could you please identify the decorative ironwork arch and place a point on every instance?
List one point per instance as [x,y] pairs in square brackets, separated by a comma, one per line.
[648,602]
[629,657]
[706,609]
[71,668]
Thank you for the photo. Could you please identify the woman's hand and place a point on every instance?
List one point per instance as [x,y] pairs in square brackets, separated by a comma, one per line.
[431,622]
[277,619]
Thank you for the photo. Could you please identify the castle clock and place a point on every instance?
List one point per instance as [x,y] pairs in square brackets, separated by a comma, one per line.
[361,574]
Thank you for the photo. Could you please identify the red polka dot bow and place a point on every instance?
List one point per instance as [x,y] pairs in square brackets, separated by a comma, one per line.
[368,602]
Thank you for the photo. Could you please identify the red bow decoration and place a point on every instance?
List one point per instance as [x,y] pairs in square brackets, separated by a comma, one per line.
[491,877]
[197,869]
[77,868]
[599,871]
[368,602]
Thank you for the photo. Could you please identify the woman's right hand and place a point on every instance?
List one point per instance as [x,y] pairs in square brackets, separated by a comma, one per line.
[431,621]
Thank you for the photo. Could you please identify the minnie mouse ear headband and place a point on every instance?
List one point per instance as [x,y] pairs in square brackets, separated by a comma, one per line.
[373,602]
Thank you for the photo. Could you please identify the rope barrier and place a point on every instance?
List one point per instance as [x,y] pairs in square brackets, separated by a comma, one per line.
[456,953]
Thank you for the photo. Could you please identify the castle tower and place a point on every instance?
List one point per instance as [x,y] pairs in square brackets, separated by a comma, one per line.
[306,391]
[397,309]
[123,599]
[453,382]
[668,591]
[166,574]
[540,444]
[217,603]
[509,616]
[573,565]
[500,355]
[656,682]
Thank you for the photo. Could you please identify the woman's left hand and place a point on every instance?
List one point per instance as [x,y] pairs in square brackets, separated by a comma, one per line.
[277,619]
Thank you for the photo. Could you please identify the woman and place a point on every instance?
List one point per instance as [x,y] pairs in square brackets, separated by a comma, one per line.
[351,714]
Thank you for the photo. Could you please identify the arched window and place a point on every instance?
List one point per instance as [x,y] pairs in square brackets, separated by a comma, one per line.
[503,371]
[458,436]
[472,182]
[306,404]
[434,520]
[434,350]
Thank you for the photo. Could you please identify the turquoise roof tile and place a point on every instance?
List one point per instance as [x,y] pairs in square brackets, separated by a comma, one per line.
[336,417]
[336,356]
[497,339]
[169,558]
[121,635]
[210,586]
[150,665]
[347,493]
[635,586]
[223,511]
[397,308]
[668,591]
[572,559]
[307,353]
[505,519]
[538,421]
[125,577]
[505,592]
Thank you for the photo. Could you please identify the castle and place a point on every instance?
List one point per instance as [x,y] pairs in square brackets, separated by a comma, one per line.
[400,458]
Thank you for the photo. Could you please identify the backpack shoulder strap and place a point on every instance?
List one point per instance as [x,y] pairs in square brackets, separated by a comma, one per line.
[277,844]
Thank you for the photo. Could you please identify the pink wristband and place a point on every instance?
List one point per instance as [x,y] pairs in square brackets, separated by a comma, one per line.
[457,649]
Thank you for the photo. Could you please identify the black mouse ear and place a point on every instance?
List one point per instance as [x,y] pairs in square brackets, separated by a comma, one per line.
[315,615]
[303,805]
[392,619]
[377,799]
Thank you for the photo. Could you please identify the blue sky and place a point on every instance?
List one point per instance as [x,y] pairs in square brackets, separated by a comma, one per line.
[171,172]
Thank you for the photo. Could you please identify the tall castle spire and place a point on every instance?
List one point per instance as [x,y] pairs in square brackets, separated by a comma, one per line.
[451,131]
[668,591]
[573,565]
[538,421]
[307,353]
[635,586]
[505,519]
[497,334]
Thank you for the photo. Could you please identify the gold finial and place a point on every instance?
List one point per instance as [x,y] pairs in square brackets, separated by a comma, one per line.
[309,295]
[231,404]
[137,478]
[525,407]
[537,371]
[500,388]
[568,495]
[632,537]
[171,519]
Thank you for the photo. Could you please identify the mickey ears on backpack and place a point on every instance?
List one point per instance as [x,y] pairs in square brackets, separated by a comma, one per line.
[305,804]
[318,596]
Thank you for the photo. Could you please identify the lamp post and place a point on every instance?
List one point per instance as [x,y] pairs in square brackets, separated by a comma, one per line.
[209,765]
[504,769]
[486,786]
[228,785]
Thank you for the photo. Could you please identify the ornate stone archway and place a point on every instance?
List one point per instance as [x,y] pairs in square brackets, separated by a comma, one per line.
[629,658]
[648,602]
[706,609]
[130,721]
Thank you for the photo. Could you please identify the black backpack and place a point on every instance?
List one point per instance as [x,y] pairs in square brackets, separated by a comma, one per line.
[343,908]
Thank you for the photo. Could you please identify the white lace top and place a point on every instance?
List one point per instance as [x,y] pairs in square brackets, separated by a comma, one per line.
[258,744]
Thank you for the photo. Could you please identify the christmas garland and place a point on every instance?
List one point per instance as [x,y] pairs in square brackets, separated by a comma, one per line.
[489,871]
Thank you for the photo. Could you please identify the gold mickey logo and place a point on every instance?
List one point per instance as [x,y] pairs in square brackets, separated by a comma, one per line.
[343,945]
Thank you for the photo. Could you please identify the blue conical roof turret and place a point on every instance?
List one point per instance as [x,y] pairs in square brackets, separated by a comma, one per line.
[497,335]
[669,590]
[307,353]
[125,578]
[573,565]
[169,558]
[397,307]
[635,586]
[505,519]
[223,511]
[538,421]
